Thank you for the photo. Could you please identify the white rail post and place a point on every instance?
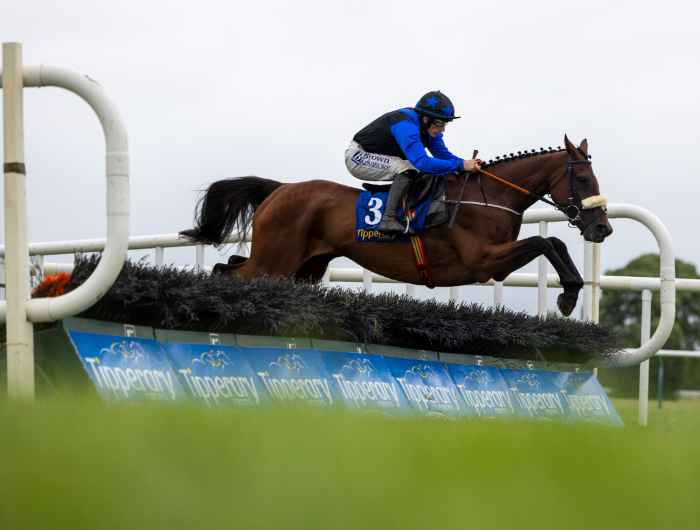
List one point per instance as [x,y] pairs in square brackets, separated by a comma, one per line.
[542,277]
[2,277]
[595,287]
[498,294]
[20,336]
[159,256]
[454,294]
[367,280]
[326,280]
[644,365]
[587,307]
[19,310]
[199,257]
[410,290]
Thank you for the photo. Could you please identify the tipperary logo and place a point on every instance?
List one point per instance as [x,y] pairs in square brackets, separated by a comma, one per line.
[529,380]
[424,371]
[358,367]
[372,235]
[291,363]
[360,386]
[214,358]
[576,381]
[123,370]
[435,398]
[285,380]
[125,350]
[534,402]
[480,377]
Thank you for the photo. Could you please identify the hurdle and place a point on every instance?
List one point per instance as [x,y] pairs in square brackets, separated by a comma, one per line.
[21,312]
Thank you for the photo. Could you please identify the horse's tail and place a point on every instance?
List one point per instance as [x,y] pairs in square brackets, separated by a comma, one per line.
[228,204]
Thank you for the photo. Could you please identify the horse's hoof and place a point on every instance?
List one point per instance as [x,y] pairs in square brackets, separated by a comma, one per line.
[235,259]
[220,268]
[566,303]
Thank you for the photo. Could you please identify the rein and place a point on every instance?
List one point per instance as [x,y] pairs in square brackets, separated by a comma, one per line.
[573,208]
[518,188]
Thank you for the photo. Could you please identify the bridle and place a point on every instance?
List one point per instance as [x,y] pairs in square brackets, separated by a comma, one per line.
[572,209]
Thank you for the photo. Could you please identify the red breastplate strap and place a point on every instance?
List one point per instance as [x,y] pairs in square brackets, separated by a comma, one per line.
[424,270]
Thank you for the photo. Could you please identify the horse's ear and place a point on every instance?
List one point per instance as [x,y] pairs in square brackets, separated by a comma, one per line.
[571,148]
[584,147]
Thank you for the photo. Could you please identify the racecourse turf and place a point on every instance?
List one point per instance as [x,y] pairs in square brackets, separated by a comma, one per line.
[74,465]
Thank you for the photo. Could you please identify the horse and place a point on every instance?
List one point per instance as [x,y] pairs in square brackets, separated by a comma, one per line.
[298,228]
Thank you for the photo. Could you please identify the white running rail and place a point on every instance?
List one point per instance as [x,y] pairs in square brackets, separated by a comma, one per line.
[19,310]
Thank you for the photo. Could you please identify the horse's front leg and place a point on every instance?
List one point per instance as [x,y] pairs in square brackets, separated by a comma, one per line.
[570,280]
[508,257]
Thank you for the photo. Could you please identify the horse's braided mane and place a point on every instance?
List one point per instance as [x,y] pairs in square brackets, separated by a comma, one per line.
[509,157]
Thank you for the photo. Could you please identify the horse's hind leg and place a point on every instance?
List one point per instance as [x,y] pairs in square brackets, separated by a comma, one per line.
[234,262]
[314,268]
[283,237]
[235,259]
[269,263]
[275,252]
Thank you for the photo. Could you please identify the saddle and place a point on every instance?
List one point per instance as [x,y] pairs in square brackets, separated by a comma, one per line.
[423,206]
[426,192]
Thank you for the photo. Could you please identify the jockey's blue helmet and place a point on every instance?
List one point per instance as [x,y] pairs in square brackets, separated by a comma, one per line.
[437,105]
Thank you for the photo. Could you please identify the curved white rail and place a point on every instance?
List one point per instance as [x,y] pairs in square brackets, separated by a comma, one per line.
[667,289]
[117,158]
[667,278]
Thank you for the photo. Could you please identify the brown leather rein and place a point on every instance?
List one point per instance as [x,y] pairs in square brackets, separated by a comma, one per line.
[574,206]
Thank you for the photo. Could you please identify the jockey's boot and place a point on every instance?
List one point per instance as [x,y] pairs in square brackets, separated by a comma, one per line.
[390,224]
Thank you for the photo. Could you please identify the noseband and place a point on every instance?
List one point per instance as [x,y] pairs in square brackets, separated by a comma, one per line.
[572,209]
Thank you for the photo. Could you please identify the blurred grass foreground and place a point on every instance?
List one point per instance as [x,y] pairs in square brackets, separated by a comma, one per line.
[86,464]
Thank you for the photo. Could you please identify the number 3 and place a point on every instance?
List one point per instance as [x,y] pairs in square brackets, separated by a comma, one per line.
[374,205]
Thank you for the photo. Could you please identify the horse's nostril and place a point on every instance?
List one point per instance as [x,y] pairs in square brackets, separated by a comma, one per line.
[603,230]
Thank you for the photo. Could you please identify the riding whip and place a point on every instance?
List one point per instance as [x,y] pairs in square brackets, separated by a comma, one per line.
[461,191]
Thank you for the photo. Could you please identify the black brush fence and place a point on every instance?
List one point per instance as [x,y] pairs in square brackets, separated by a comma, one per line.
[171,298]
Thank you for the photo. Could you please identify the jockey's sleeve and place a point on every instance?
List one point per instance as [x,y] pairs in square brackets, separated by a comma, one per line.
[438,149]
[407,135]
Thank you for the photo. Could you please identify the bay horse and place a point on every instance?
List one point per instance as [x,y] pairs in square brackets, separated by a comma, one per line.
[299,228]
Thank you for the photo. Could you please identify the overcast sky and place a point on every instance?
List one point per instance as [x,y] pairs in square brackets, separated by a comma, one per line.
[277,89]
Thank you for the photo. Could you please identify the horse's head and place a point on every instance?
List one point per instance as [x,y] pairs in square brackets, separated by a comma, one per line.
[577,194]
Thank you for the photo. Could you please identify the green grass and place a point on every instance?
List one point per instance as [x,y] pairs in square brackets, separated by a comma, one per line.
[673,415]
[77,465]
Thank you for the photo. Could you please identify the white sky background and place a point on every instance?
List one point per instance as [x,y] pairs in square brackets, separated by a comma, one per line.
[277,89]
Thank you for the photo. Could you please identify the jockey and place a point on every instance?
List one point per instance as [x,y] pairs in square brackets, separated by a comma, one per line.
[393,147]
